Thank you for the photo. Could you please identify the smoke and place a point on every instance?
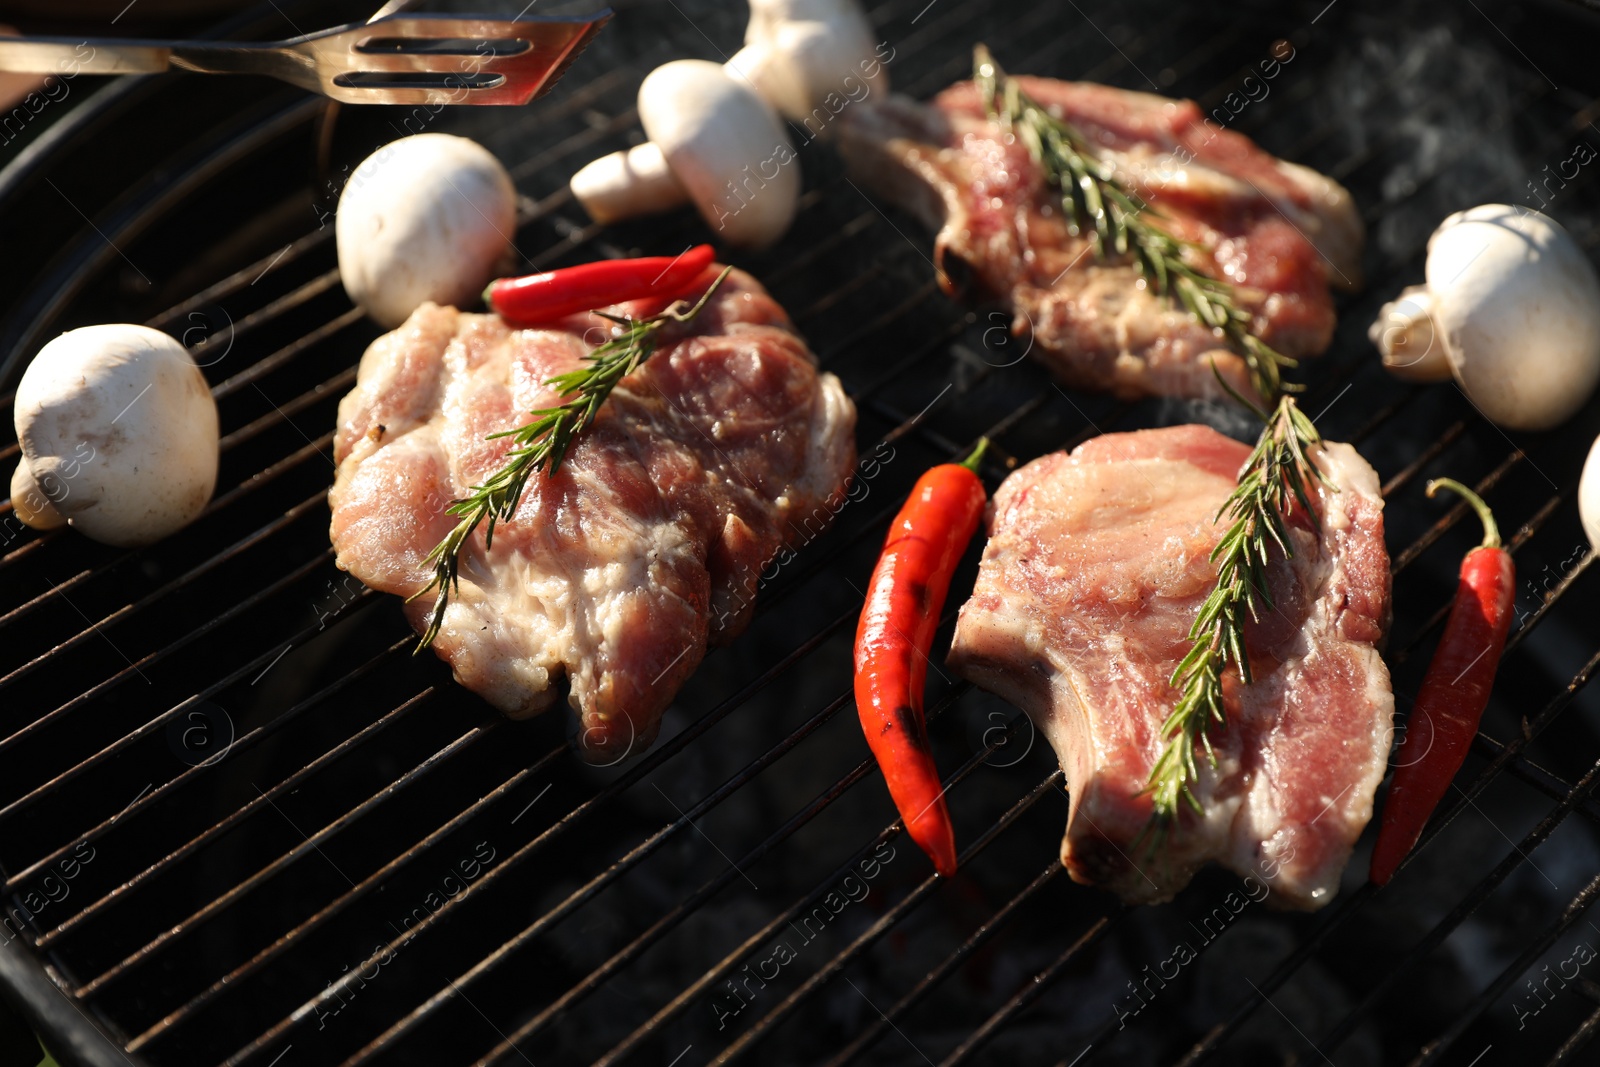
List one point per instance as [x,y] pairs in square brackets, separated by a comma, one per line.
[1434,109]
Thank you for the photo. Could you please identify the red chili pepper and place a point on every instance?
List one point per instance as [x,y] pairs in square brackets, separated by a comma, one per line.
[1454,692]
[540,298]
[902,610]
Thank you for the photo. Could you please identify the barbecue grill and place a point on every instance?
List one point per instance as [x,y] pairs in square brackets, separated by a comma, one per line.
[240,823]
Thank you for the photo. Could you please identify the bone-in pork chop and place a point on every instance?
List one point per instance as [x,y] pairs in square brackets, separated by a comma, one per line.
[1096,565]
[1280,233]
[644,547]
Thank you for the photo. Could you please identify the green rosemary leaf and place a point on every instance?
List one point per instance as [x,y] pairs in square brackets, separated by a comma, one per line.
[1279,467]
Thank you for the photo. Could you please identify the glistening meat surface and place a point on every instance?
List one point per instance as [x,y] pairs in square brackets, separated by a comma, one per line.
[617,572]
[1096,566]
[1280,233]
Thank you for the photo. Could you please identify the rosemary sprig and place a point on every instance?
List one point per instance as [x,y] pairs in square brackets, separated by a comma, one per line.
[1119,220]
[1278,474]
[543,443]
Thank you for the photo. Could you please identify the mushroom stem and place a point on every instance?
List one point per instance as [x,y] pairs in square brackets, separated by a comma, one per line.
[627,184]
[29,502]
[1409,340]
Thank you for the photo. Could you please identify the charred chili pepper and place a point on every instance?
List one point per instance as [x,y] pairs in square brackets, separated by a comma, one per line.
[1454,692]
[540,298]
[902,610]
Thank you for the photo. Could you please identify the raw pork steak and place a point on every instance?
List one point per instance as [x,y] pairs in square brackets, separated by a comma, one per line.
[1095,568]
[643,548]
[1277,231]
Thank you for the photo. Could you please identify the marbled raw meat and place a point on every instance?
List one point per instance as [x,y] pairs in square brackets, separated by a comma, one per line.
[1279,232]
[645,547]
[1096,565]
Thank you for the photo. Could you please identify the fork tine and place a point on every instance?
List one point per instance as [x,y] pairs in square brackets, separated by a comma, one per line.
[423,28]
[422,97]
[401,63]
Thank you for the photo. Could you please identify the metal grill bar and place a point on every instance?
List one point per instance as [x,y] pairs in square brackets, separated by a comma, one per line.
[244,671]
[262,367]
[1569,915]
[373,881]
[1550,598]
[648,763]
[1429,454]
[1035,989]
[1525,770]
[581,235]
[600,881]
[222,500]
[1342,910]
[157,197]
[867,938]
[710,978]
[877,1029]
[243,743]
[50,718]
[1577,1042]
[1517,541]
[1469,903]
[1409,556]
[61,588]
[281,414]
[129,610]
[311,844]
[27,548]
[238,280]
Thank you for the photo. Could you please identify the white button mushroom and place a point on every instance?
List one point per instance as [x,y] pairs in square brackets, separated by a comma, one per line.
[119,435]
[800,53]
[714,142]
[428,217]
[808,59]
[1515,306]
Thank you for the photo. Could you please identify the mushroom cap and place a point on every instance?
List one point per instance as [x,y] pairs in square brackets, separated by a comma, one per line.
[1589,496]
[1518,307]
[726,148]
[119,424]
[427,217]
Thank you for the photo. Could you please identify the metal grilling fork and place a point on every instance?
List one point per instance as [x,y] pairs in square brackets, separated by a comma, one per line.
[400,59]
